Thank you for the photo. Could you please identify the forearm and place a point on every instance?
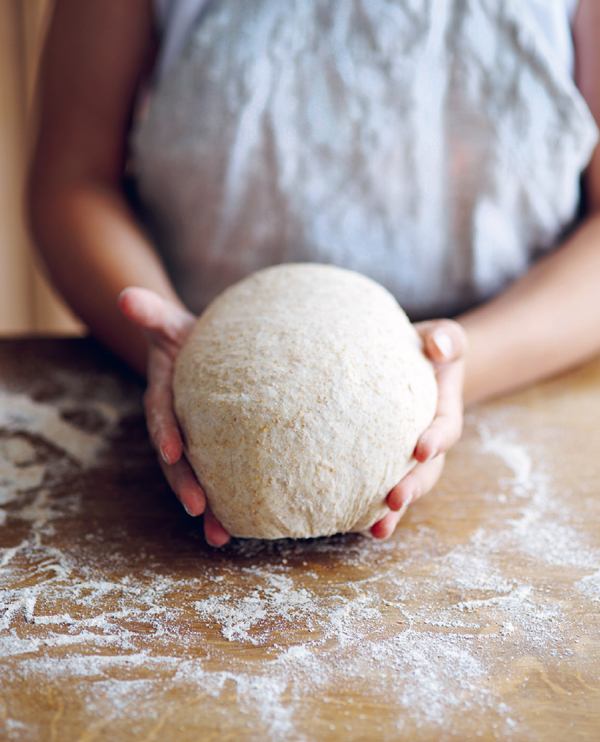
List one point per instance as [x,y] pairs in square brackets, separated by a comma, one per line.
[92,248]
[544,323]
[96,56]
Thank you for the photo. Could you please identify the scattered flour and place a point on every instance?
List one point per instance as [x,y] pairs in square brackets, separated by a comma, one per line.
[18,470]
[26,421]
[20,413]
[542,528]
[425,627]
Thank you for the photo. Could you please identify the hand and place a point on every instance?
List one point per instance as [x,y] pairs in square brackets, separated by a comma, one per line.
[166,326]
[445,344]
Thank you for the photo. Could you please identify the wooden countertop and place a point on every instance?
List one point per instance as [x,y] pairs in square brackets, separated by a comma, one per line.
[478,619]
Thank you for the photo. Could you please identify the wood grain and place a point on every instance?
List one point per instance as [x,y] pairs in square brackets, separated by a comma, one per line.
[478,619]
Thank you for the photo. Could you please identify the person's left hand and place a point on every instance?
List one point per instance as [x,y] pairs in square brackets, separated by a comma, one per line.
[166,327]
[445,344]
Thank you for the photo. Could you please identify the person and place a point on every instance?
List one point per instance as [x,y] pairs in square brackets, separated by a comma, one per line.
[436,148]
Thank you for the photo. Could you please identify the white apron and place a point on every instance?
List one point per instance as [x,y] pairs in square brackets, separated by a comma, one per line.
[434,145]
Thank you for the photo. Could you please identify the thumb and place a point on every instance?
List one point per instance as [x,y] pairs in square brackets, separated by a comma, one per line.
[149,311]
[444,340]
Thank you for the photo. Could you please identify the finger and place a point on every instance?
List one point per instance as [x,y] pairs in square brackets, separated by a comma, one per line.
[386,526]
[149,311]
[415,484]
[184,484]
[214,532]
[443,340]
[158,405]
[446,427]
[164,431]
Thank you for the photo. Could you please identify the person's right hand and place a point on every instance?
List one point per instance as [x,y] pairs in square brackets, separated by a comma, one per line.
[166,327]
[445,344]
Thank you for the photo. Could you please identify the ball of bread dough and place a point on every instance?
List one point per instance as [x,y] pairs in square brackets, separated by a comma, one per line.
[301,393]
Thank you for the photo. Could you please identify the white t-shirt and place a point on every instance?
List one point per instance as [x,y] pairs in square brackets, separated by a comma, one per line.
[176,19]
[436,150]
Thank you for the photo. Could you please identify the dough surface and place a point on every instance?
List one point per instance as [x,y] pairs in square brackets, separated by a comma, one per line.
[301,392]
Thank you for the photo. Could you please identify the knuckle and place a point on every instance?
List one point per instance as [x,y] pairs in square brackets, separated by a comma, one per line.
[149,400]
[417,489]
[449,427]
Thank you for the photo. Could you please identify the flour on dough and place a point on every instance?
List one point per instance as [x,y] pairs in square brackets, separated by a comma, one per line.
[301,392]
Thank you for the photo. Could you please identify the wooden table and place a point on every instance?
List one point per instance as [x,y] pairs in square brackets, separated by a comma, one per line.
[478,619]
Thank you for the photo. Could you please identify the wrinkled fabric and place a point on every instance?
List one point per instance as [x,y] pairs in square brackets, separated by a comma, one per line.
[176,19]
[434,145]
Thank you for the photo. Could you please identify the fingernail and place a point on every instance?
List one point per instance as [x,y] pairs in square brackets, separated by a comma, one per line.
[214,546]
[187,510]
[443,342]
[165,456]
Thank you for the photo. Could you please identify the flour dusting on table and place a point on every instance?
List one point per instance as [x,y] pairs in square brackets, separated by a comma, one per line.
[422,620]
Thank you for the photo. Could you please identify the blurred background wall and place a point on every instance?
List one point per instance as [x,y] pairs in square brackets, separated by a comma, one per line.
[27,304]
